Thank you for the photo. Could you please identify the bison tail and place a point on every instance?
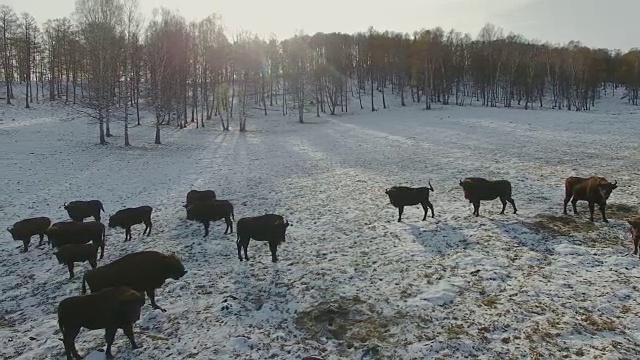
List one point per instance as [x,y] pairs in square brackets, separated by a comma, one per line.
[430,187]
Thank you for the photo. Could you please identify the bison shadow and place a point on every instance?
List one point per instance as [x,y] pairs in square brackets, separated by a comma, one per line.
[440,238]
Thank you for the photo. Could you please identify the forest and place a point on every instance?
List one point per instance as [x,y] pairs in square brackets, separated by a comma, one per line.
[106,62]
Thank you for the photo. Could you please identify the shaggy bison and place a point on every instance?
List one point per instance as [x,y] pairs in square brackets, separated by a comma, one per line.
[79,210]
[23,230]
[212,210]
[128,217]
[143,271]
[401,196]
[71,232]
[73,253]
[635,233]
[110,309]
[195,196]
[269,227]
[594,190]
[478,189]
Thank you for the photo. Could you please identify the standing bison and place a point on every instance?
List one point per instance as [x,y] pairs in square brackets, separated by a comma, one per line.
[143,271]
[73,253]
[23,230]
[594,190]
[635,233]
[195,196]
[212,210]
[128,217]
[478,189]
[71,232]
[401,196]
[269,227]
[79,210]
[110,309]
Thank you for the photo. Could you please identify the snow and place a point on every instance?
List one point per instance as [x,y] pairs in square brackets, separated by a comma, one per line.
[351,281]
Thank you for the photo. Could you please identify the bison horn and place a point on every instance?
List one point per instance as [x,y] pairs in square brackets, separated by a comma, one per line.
[9,229]
[615,182]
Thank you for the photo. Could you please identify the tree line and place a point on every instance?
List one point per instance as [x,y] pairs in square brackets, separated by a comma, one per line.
[106,63]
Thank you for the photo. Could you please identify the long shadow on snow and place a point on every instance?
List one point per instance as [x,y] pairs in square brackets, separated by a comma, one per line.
[441,240]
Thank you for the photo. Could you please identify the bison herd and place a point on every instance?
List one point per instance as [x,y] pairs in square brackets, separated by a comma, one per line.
[118,289]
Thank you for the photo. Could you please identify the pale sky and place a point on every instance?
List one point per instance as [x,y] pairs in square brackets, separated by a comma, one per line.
[596,23]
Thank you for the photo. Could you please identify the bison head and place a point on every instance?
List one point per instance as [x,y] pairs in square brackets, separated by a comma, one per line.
[58,257]
[12,231]
[635,227]
[605,188]
[174,267]
[113,221]
[281,229]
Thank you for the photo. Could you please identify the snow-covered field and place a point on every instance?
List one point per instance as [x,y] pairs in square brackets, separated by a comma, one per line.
[352,283]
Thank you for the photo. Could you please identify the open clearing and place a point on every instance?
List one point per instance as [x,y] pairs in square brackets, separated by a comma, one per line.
[351,281]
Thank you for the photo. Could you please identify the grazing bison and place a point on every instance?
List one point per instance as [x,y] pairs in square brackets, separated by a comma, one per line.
[110,309]
[128,217]
[23,230]
[478,189]
[635,233]
[79,210]
[401,196]
[594,190]
[212,210]
[195,196]
[73,253]
[269,227]
[143,271]
[71,232]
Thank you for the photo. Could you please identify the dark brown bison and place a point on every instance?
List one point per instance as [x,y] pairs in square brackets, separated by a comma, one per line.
[79,210]
[73,253]
[110,309]
[128,217]
[23,230]
[594,190]
[71,232]
[635,233]
[401,196]
[195,196]
[212,210]
[143,271]
[269,227]
[478,189]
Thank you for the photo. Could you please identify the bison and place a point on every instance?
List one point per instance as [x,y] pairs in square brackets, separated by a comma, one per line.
[195,196]
[23,230]
[143,271]
[128,217]
[71,232]
[594,190]
[269,227]
[478,189]
[72,253]
[79,210]
[635,232]
[110,309]
[212,210]
[401,196]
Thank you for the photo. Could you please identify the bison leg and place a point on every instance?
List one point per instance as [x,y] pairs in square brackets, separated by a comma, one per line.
[274,249]
[93,263]
[430,205]
[152,297]
[592,209]
[567,198]
[70,267]
[97,216]
[400,211]
[476,208]
[128,332]
[513,204]
[425,207]
[603,212]
[109,336]
[636,242]
[101,249]
[69,339]
[206,228]
[41,239]
[148,225]
[227,221]
[25,245]
[574,201]
[504,204]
